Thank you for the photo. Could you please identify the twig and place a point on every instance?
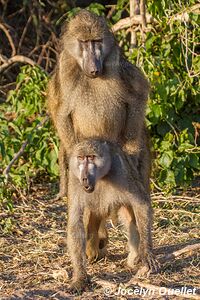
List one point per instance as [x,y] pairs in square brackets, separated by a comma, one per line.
[156,186]
[5,30]
[144,22]
[143,14]
[24,33]
[178,211]
[111,11]
[177,253]
[3,58]
[44,47]
[184,15]
[130,21]
[161,197]
[133,5]
[15,59]
[21,150]
[18,59]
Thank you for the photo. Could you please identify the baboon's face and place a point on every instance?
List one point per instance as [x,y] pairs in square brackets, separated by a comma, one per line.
[87,172]
[89,167]
[91,57]
[89,41]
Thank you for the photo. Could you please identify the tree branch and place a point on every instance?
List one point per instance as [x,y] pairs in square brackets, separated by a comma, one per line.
[177,253]
[15,59]
[130,21]
[5,30]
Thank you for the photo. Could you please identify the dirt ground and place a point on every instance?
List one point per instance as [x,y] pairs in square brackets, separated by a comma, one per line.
[34,262]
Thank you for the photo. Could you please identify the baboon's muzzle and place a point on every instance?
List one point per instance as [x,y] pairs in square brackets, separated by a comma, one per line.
[87,186]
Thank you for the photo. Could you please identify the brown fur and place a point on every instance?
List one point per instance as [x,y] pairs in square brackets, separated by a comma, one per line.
[110,107]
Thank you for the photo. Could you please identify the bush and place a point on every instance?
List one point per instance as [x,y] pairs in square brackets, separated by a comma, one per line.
[171,61]
[21,118]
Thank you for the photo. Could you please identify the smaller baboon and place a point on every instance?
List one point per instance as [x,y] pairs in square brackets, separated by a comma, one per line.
[101,181]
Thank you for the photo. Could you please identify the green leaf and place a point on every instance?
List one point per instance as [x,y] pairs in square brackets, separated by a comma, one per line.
[194,161]
[166,159]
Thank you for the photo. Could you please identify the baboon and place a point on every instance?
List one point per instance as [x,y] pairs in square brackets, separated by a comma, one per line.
[101,180]
[96,93]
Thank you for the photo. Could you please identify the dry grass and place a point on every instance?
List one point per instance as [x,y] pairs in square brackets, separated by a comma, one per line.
[34,263]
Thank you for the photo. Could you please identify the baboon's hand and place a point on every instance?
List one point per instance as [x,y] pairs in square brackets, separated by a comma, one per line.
[95,252]
[149,266]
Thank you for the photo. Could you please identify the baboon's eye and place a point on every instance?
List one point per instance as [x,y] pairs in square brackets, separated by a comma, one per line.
[83,42]
[91,157]
[98,41]
[80,157]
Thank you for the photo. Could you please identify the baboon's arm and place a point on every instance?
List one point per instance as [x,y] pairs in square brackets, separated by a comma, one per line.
[133,129]
[60,113]
[139,88]
[64,126]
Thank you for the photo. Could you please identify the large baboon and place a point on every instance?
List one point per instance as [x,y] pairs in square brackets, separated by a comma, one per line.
[101,180]
[96,93]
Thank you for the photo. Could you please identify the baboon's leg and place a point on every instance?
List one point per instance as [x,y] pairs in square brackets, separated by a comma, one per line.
[92,228]
[76,244]
[103,238]
[127,217]
[143,215]
[144,168]
[63,164]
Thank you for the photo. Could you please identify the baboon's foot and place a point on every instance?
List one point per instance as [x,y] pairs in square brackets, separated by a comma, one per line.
[149,266]
[78,285]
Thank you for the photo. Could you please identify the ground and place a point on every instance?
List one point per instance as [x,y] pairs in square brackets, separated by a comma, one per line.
[34,262]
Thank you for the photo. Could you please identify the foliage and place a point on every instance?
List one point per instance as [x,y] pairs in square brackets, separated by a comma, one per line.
[170,59]
[20,121]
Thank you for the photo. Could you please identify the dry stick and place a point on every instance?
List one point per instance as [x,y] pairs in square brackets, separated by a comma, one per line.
[3,58]
[130,21]
[5,30]
[21,150]
[133,5]
[24,33]
[15,59]
[180,252]
[42,53]
[160,197]
[143,15]
[18,58]
[184,15]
